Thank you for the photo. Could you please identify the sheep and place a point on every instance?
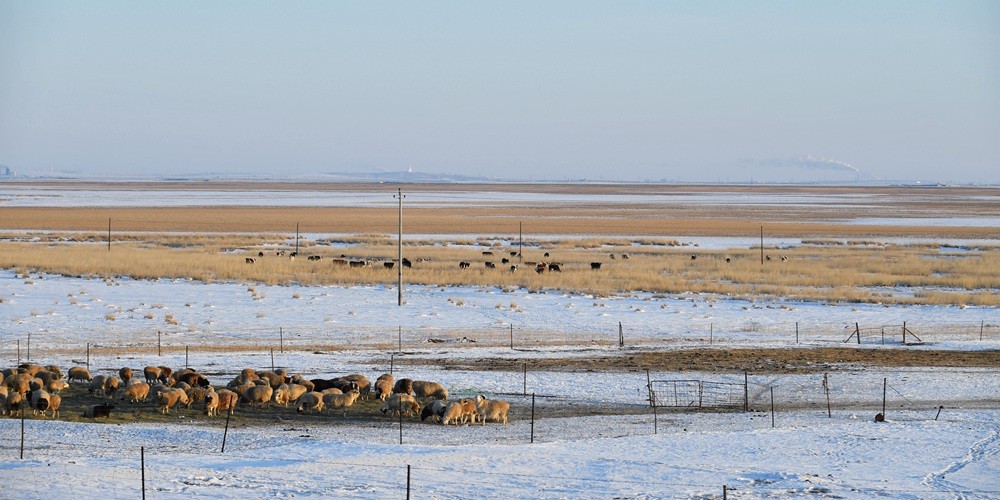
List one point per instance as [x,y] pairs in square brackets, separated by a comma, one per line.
[136,391]
[403,386]
[79,373]
[30,369]
[469,411]
[196,394]
[54,369]
[170,397]
[55,401]
[97,411]
[400,403]
[97,385]
[340,400]
[20,383]
[310,400]
[492,410]
[126,374]
[364,385]
[286,393]
[258,394]
[425,389]
[39,402]
[300,380]
[155,374]
[273,379]
[56,385]
[224,399]
[332,390]
[435,410]
[383,386]
[452,413]
[14,402]
[47,376]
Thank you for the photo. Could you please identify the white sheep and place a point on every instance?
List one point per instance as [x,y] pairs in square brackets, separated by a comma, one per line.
[310,400]
[136,391]
[258,394]
[79,373]
[492,410]
[400,403]
[383,386]
[341,400]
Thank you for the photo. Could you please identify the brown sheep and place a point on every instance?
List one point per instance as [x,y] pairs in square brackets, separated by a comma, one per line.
[425,389]
[403,386]
[222,400]
[492,410]
[56,385]
[126,374]
[258,394]
[155,374]
[170,397]
[340,400]
[55,401]
[136,391]
[79,373]
[383,386]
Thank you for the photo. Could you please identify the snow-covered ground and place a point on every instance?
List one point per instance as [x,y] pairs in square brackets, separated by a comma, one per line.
[922,451]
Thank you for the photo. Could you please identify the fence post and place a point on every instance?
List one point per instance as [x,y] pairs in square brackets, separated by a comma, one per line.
[512,336]
[22,431]
[142,467]
[524,368]
[226,431]
[400,421]
[186,358]
[796,332]
[826,385]
[407,481]
[772,406]
[281,340]
[29,347]
[19,348]
[711,332]
[159,344]
[399,331]
[649,389]
[532,417]
[272,360]
[392,362]
[904,332]
[746,391]
[88,356]
[982,323]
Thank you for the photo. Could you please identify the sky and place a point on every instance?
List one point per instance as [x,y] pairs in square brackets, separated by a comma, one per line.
[713,91]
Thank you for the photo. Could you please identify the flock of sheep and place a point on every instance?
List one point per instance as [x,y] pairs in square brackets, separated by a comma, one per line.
[38,387]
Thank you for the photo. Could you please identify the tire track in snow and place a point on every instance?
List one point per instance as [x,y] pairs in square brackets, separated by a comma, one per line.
[980,450]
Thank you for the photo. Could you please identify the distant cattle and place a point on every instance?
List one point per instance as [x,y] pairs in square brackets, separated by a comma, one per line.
[463,265]
[490,265]
[513,267]
[487,253]
[315,257]
[358,263]
[728,260]
[250,260]
[407,263]
[388,265]
[694,257]
[595,265]
[339,262]
[554,267]
[784,258]
[546,255]
[611,255]
[505,260]
[513,254]
[540,267]
[624,255]
[260,254]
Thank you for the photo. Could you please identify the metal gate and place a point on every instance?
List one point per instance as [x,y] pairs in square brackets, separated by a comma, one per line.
[696,394]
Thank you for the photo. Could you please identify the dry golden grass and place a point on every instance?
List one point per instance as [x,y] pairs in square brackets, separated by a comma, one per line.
[838,273]
[839,262]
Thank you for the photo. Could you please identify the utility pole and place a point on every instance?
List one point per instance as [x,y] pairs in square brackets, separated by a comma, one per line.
[399,255]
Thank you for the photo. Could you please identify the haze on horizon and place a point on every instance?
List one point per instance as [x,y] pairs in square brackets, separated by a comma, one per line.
[717,91]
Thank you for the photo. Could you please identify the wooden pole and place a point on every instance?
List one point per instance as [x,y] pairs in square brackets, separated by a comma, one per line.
[29,347]
[159,345]
[885,384]
[296,238]
[18,351]
[142,466]
[524,368]
[649,389]
[88,356]
[746,391]
[762,245]
[22,431]
[109,234]
[392,362]
[186,365]
[904,332]
[982,324]
[407,481]
[272,360]
[281,340]
[399,344]
[520,243]
[796,332]
[711,332]
[400,421]
[512,336]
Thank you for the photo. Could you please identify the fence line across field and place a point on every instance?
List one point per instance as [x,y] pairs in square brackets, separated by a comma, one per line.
[282,339]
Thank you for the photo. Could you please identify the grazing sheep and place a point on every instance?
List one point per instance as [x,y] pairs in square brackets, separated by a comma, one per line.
[310,400]
[469,411]
[136,391]
[492,410]
[197,394]
[425,389]
[39,402]
[56,385]
[222,400]
[452,413]
[14,402]
[258,394]
[30,369]
[364,385]
[286,393]
[273,379]
[194,379]
[20,383]
[383,386]
[97,411]
[155,374]
[435,410]
[300,380]
[126,374]
[332,390]
[400,403]
[55,401]
[54,369]
[340,400]
[170,397]
[46,376]
[97,384]
[403,386]
[79,373]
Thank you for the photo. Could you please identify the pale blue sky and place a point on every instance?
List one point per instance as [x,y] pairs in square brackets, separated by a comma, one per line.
[679,91]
